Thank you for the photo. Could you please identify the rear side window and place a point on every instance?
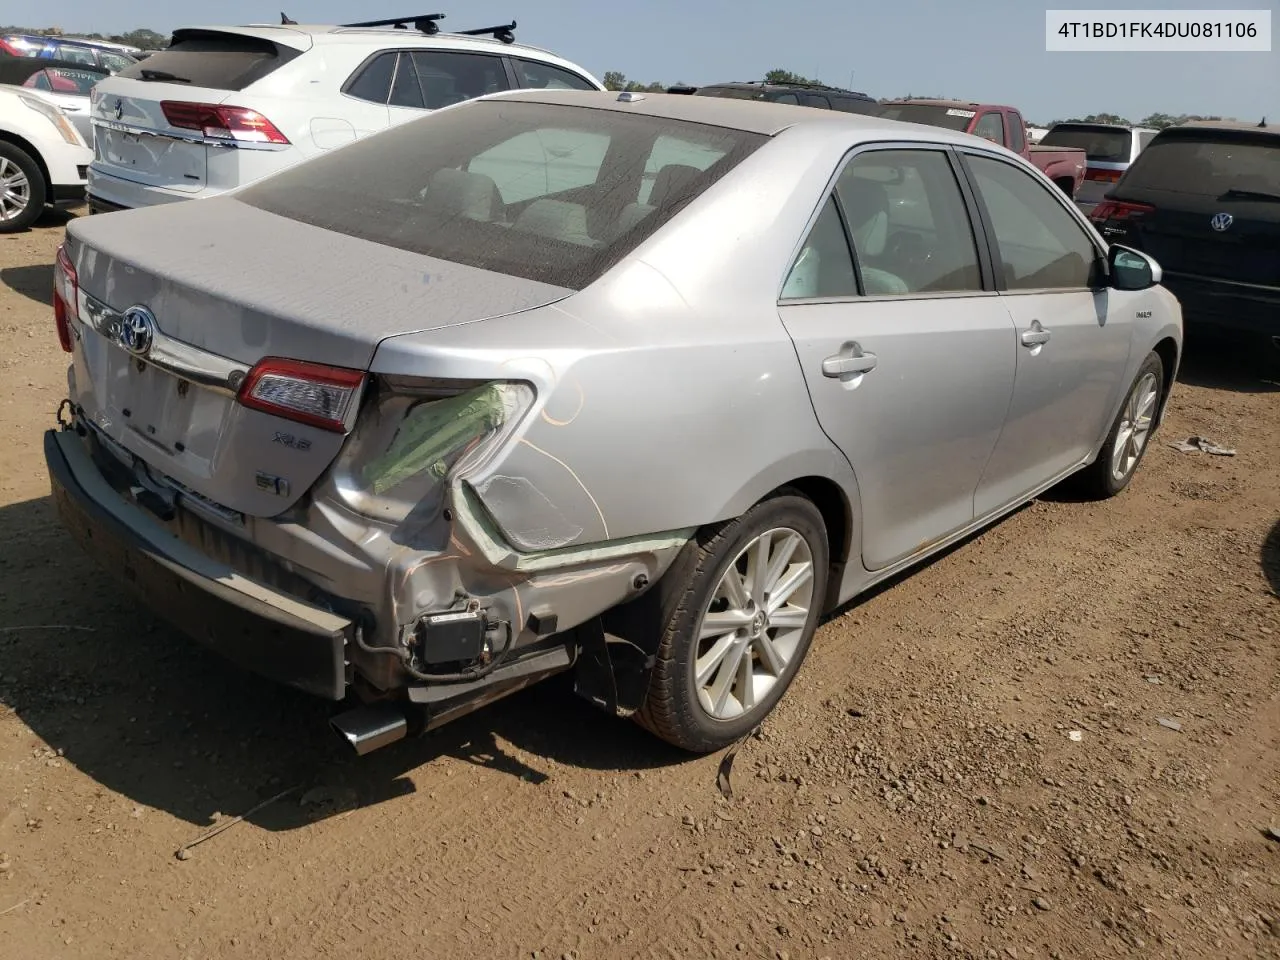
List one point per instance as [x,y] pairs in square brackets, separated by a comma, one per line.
[541,191]
[1207,165]
[854,105]
[220,61]
[543,76]
[372,81]
[815,100]
[115,61]
[1101,144]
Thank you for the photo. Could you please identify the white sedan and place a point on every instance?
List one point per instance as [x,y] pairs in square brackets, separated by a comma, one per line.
[43,158]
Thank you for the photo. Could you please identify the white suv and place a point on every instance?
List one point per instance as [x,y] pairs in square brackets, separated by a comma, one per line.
[224,106]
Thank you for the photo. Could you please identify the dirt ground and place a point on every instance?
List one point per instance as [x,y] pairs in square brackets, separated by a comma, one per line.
[1061,739]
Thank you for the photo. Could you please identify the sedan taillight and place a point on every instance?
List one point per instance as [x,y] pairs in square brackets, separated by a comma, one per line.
[66,296]
[221,122]
[308,393]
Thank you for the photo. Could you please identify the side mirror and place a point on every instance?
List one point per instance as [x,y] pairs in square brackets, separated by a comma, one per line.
[1131,269]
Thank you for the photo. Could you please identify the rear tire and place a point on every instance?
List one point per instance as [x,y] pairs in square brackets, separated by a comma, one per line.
[23,190]
[1130,435]
[741,605]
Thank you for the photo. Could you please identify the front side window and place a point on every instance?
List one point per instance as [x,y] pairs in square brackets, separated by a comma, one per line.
[1017,129]
[990,126]
[1039,242]
[114,61]
[543,76]
[910,228]
[541,191]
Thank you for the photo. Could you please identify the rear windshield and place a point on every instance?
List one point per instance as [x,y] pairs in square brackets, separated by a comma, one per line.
[219,61]
[1208,166]
[1101,144]
[952,118]
[552,193]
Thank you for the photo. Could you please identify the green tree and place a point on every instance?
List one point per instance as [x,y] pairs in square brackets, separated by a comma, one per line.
[143,39]
[614,80]
[786,76]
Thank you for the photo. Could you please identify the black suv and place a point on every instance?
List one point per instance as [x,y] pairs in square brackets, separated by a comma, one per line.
[1203,199]
[803,94]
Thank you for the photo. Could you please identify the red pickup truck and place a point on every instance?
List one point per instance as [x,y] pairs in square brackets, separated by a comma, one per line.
[1065,166]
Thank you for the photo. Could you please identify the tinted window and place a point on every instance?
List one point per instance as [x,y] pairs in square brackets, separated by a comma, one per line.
[911,231]
[952,118]
[74,54]
[429,80]
[814,100]
[823,267]
[1101,144]
[541,162]
[1144,139]
[784,98]
[538,76]
[372,82]
[1040,244]
[1017,130]
[1207,164]
[115,61]
[220,61]
[406,90]
[730,93]
[990,126]
[421,186]
[855,105]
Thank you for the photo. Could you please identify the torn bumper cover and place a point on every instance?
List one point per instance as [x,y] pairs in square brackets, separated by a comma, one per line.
[257,628]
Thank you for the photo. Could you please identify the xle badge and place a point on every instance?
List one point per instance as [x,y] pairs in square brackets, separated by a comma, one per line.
[292,442]
[273,484]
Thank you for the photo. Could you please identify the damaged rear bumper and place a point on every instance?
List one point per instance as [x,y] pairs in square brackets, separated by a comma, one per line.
[257,628]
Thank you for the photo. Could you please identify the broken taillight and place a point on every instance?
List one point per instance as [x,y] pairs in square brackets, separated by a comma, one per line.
[66,296]
[222,122]
[308,393]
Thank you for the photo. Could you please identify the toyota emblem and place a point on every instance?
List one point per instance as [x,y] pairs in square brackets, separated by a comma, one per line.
[1222,222]
[137,330]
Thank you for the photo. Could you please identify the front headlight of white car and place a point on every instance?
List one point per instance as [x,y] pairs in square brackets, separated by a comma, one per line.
[54,116]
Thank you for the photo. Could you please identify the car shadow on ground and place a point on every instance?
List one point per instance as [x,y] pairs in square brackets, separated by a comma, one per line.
[34,282]
[1271,559]
[152,716]
[1222,364]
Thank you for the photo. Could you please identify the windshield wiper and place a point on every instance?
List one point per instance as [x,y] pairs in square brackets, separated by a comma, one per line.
[1237,194]
[162,75]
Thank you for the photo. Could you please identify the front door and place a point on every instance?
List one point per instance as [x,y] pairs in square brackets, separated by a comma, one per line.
[909,361]
[1073,332]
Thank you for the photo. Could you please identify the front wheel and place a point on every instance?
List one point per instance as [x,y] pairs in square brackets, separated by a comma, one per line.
[1130,434]
[23,190]
[738,621]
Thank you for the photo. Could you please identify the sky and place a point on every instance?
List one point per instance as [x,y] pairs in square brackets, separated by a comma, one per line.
[990,51]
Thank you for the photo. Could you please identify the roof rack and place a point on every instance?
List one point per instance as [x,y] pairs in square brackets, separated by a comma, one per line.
[429,24]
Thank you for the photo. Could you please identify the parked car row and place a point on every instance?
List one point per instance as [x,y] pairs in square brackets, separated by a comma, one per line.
[414,420]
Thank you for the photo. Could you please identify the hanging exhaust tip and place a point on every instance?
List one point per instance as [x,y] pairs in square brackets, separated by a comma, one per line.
[369,728]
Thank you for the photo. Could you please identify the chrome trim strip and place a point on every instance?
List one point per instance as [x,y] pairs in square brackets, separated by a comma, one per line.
[195,138]
[173,356]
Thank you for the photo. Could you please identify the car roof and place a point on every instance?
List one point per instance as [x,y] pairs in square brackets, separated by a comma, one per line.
[1227,125]
[752,116]
[1095,125]
[767,84]
[302,34]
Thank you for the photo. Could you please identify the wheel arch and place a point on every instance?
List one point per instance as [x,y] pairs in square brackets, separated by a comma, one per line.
[27,147]
[838,517]
[1167,350]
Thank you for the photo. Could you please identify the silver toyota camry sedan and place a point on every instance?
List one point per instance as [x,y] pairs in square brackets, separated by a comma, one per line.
[632,386]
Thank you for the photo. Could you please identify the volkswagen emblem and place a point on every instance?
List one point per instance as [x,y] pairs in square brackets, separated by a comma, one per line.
[137,330]
[119,109]
[1222,222]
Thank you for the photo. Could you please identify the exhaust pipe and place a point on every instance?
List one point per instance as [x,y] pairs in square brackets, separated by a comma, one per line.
[369,728]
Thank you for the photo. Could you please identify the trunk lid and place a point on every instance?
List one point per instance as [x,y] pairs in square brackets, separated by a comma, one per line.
[228,285]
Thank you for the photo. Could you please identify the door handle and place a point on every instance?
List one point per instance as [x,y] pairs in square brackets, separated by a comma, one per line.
[1036,336]
[850,361]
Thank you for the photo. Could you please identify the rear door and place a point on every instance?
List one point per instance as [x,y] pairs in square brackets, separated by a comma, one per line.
[136,137]
[431,79]
[907,352]
[1073,334]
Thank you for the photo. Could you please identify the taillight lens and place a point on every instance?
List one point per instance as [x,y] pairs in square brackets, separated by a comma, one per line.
[222,122]
[66,296]
[306,392]
[1102,176]
[1113,210]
